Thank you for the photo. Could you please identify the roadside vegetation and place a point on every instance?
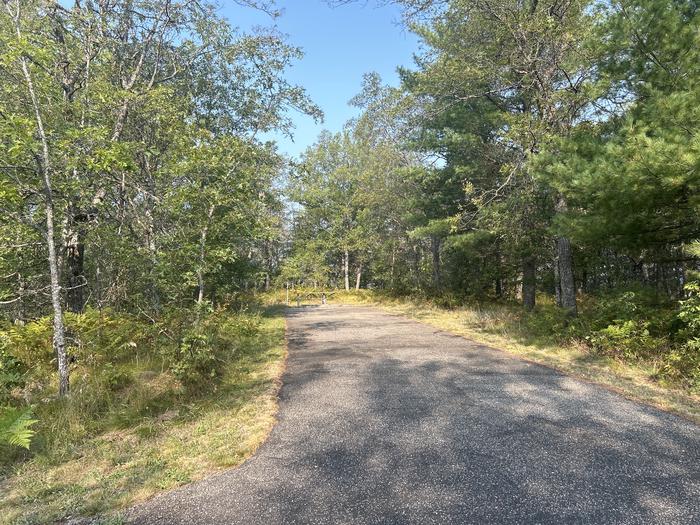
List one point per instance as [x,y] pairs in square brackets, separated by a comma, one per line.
[533,182]
[138,210]
[154,406]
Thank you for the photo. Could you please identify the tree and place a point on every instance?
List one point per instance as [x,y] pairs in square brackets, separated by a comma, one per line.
[143,116]
[525,59]
[632,175]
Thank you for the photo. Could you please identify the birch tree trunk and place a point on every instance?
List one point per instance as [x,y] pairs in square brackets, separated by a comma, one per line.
[202,254]
[346,270]
[44,162]
[358,277]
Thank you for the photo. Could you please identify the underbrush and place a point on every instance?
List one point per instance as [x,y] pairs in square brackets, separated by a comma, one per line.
[153,404]
[632,326]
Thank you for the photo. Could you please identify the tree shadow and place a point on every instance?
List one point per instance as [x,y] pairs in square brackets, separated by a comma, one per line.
[389,421]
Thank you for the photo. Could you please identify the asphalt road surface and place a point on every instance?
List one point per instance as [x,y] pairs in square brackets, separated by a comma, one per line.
[385,420]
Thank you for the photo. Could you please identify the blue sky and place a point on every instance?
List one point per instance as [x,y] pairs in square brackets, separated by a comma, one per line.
[340,44]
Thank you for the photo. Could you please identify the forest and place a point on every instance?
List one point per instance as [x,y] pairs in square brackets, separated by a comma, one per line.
[539,158]
[543,153]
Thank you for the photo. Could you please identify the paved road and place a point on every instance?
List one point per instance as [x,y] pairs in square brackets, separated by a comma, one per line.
[384,420]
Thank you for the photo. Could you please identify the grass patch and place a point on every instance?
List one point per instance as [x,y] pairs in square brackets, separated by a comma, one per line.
[540,337]
[155,433]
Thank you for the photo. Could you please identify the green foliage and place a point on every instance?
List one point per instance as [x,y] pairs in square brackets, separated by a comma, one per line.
[114,441]
[684,361]
[194,361]
[207,338]
[627,339]
[151,166]
[124,367]
[690,310]
[12,371]
[15,426]
[639,304]
[682,364]
[30,343]
[95,339]
[549,323]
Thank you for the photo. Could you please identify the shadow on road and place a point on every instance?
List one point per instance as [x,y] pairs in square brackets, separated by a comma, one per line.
[384,420]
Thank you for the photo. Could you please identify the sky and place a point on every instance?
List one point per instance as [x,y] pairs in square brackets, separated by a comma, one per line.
[340,45]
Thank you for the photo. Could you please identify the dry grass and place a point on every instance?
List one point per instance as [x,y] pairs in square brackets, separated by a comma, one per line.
[114,470]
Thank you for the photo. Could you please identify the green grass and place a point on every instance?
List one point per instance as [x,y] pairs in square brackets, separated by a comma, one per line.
[159,436]
[537,338]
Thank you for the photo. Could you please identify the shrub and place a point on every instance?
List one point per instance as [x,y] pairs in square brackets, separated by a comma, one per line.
[449,301]
[92,338]
[683,363]
[31,344]
[546,321]
[195,359]
[206,340]
[629,339]
[638,304]
[689,312]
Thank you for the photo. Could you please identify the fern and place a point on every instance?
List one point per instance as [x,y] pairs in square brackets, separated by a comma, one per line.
[15,426]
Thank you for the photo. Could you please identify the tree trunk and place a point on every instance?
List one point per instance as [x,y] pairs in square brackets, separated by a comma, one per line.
[416,264]
[498,285]
[435,249]
[557,282]
[566,284]
[75,262]
[346,269]
[202,254]
[565,267]
[529,283]
[59,340]
[358,277]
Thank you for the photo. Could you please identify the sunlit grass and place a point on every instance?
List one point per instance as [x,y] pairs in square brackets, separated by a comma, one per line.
[151,449]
